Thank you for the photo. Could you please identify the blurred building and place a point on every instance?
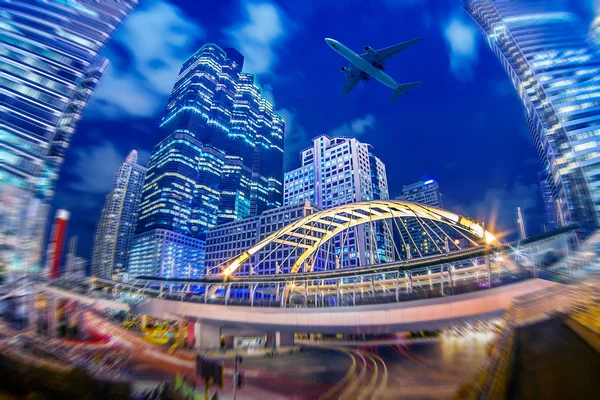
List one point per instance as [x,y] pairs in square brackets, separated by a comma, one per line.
[220,157]
[75,265]
[337,171]
[227,241]
[56,247]
[418,237]
[49,52]
[118,220]
[546,52]
[549,203]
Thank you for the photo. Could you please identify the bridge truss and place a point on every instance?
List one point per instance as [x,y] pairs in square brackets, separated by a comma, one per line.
[383,230]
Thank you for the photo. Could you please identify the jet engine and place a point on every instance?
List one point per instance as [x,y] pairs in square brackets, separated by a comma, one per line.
[370,50]
[344,70]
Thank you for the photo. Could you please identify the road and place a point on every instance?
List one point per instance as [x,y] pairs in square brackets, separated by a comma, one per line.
[392,371]
[425,370]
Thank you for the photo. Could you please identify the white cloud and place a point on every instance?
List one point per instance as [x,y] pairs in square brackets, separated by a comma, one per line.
[95,167]
[157,39]
[356,127]
[461,39]
[258,37]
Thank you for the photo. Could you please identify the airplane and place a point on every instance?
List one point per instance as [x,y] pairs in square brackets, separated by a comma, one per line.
[371,64]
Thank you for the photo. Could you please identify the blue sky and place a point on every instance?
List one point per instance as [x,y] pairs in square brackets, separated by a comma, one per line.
[464,127]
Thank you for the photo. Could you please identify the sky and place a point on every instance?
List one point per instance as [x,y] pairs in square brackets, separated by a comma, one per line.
[464,126]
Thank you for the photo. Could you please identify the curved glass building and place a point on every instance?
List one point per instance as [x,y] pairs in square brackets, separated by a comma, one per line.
[546,52]
[50,64]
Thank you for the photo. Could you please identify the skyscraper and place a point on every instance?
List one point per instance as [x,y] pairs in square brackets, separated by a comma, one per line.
[337,171]
[418,240]
[118,220]
[49,52]
[549,203]
[545,51]
[220,157]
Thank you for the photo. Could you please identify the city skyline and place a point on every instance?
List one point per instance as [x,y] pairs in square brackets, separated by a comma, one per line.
[189,207]
[454,130]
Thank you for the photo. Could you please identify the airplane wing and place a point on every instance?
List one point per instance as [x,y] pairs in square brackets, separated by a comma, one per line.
[382,55]
[352,79]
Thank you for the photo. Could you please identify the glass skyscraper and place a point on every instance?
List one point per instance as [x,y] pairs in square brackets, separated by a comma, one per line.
[117,221]
[546,53]
[220,157]
[49,52]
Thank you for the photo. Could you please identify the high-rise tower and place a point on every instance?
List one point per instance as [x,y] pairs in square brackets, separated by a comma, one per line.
[337,171]
[49,52]
[118,219]
[545,51]
[220,158]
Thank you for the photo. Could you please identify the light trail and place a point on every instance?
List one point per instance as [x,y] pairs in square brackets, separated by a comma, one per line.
[383,383]
[331,392]
[368,389]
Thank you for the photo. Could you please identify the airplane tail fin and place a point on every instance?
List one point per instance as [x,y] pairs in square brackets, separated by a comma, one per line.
[403,89]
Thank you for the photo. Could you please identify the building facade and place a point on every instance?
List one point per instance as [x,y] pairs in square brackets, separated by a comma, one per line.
[337,171]
[49,52]
[549,202]
[420,239]
[165,253]
[220,156]
[546,52]
[227,241]
[118,220]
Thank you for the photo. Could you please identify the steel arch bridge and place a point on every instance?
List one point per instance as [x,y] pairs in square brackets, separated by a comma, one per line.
[311,233]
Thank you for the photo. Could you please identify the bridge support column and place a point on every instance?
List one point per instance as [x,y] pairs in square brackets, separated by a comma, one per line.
[252,291]
[284,339]
[277,293]
[208,336]
[306,294]
[451,278]
[397,287]
[337,301]
[409,281]
[373,284]
[488,267]
[354,294]
[227,293]
[442,279]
